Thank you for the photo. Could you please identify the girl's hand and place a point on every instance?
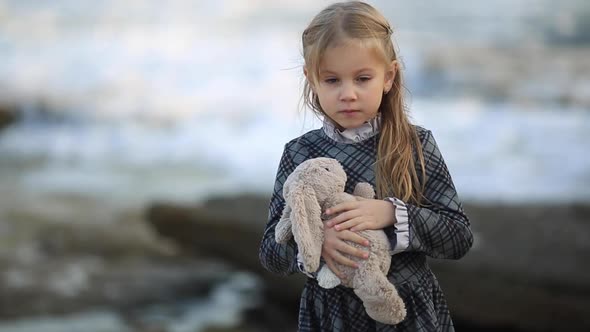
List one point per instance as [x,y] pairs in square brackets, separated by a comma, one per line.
[361,215]
[334,249]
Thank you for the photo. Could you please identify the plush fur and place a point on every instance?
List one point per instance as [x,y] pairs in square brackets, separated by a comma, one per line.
[314,186]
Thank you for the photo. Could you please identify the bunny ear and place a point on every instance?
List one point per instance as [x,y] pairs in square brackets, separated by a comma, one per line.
[283,228]
[308,228]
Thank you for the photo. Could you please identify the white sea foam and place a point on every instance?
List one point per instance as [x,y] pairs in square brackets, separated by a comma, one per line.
[493,153]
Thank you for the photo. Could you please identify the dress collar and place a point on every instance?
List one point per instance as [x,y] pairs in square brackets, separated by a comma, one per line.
[352,135]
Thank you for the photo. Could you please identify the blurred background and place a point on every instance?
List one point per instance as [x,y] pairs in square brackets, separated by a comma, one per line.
[127,126]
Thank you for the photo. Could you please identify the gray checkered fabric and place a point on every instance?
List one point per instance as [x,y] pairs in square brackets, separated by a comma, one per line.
[439,230]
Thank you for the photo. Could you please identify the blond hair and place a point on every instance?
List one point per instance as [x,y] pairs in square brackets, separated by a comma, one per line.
[396,173]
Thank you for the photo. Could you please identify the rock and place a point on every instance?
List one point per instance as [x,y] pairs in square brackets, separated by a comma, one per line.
[230,229]
[78,283]
[99,320]
[111,241]
[8,115]
[527,270]
[71,267]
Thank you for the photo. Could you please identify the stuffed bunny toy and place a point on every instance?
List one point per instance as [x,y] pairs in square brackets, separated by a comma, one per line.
[314,186]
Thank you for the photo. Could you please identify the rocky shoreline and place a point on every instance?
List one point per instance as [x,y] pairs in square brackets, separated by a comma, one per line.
[526,271]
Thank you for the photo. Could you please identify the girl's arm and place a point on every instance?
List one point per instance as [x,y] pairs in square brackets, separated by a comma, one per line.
[440,229]
[275,257]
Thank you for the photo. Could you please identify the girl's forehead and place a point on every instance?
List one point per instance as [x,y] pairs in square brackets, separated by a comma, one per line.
[350,55]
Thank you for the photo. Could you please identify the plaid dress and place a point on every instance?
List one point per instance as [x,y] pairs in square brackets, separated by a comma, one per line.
[441,231]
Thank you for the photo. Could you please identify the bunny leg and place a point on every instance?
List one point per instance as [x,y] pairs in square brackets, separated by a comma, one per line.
[380,297]
[326,278]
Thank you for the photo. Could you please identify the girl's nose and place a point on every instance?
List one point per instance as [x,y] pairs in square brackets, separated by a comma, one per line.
[347,92]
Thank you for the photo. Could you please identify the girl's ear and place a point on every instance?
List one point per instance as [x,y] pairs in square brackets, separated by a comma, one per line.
[390,72]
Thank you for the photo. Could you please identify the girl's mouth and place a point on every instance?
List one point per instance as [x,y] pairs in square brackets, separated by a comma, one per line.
[349,112]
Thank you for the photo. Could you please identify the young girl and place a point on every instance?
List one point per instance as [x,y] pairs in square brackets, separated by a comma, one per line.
[353,82]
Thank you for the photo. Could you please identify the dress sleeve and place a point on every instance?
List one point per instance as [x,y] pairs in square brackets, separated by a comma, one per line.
[275,257]
[399,234]
[439,227]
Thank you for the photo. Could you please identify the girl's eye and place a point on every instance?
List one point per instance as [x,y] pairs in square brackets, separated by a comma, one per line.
[364,78]
[331,80]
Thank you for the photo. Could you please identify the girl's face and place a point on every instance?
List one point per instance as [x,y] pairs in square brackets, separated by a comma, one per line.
[351,83]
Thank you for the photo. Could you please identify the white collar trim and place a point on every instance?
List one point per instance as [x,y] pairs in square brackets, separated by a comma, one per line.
[352,135]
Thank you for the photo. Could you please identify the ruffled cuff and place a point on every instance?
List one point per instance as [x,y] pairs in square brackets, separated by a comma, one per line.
[302,268]
[401,226]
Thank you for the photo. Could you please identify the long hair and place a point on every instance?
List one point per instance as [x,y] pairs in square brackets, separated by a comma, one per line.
[396,172]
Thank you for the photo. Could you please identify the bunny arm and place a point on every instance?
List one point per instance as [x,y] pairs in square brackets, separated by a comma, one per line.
[307,225]
[364,189]
[283,232]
